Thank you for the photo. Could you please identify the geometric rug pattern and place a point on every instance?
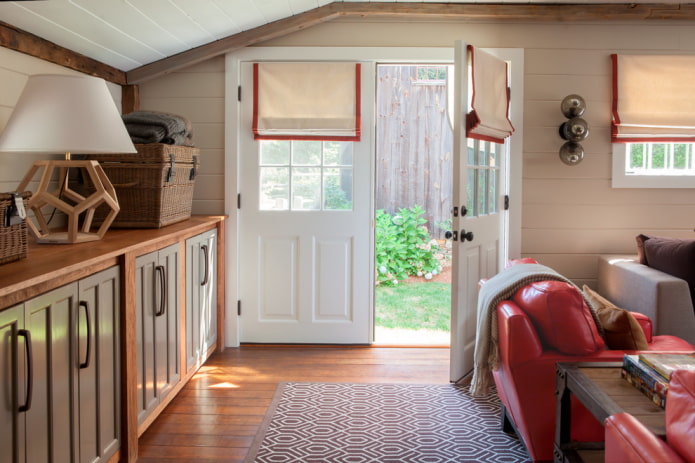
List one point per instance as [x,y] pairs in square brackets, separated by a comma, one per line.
[385,423]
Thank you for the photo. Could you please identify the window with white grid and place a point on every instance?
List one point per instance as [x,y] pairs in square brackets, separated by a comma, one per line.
[654,165]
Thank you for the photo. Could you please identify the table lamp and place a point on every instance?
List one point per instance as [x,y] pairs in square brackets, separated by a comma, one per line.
[67,114]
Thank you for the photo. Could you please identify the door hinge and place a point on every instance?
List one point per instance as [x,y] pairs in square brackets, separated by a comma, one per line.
[238,201]
[238,95]
[238,307]
[506,202]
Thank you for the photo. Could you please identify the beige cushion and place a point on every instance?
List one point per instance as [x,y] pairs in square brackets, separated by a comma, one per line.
[621,329]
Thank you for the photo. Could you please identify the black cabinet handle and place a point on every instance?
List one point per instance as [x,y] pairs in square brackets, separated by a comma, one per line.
[30,367]
[85,305]
[162,290]
[204,249]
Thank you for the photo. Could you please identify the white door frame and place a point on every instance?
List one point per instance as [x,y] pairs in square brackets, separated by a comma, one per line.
[444,55]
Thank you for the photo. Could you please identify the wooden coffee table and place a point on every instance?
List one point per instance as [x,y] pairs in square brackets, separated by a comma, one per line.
[601,389]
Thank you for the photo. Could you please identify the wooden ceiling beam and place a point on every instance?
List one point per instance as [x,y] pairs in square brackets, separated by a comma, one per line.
[19,40]
[469,12]
[536,12]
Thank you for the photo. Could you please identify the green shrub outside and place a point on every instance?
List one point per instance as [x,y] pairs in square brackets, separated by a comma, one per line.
[404,247]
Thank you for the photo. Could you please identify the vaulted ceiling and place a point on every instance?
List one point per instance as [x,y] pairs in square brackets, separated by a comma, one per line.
[145,38]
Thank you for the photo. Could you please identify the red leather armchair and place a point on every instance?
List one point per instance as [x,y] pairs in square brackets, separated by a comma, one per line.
[525,376]
[629,441]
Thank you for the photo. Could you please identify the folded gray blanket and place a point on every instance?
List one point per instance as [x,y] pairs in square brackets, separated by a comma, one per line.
[158,127]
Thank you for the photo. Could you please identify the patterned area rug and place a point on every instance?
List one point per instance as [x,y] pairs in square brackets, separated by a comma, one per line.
[385,423]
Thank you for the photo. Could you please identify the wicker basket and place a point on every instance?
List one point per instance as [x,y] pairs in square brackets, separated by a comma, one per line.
[154,186]
[13,239]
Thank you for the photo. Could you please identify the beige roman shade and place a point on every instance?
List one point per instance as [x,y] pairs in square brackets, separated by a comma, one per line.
[653,98]
[306,101]
[488,119]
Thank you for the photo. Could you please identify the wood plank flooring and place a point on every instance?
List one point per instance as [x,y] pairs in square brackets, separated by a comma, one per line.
[218,413]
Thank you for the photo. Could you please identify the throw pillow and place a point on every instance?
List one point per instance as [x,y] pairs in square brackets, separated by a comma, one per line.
[620,328]
[641,257]
[673,256]
[561,317]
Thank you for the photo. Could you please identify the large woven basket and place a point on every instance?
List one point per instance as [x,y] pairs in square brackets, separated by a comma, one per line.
[154,186]
[13,239]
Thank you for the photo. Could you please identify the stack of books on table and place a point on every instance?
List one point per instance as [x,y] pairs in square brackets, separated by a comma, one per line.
[650,372]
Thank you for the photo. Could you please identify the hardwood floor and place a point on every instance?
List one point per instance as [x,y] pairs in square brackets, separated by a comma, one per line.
[218,413]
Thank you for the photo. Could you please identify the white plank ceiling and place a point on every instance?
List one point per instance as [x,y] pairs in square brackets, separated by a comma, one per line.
[127,34]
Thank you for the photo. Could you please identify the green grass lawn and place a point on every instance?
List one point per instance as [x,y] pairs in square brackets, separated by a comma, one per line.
[414,306]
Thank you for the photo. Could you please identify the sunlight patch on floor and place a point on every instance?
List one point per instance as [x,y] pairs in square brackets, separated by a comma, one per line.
[403,337]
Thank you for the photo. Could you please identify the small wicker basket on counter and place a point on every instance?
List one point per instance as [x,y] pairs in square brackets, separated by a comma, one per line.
[154,186]
[13,238]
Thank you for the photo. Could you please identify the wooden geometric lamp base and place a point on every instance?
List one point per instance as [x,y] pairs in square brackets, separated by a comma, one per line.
[80,209]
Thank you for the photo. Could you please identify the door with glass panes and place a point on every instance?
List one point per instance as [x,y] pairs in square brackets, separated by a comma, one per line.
[304,237]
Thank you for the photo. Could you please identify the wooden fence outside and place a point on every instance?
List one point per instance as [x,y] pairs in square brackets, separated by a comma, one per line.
[414,145]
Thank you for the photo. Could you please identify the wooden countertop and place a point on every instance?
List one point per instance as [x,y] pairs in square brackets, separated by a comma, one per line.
[51,265]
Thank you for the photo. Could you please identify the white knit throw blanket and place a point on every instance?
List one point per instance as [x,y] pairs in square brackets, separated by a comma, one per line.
[498,288]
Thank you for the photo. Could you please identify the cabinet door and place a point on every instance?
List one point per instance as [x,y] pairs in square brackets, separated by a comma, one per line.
[50,318]
[97,403]
[13,384]
[145,315]
[193,337]
[208,288]
[201,296]
[157,319]
[167,324]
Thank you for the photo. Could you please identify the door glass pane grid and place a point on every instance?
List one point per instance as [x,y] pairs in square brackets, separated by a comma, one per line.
[482,183]
[305,175]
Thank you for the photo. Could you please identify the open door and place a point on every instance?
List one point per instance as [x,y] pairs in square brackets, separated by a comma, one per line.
[480,217]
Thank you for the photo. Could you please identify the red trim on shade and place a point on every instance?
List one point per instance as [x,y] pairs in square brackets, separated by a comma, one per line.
[472,119]
[305,137]
[255,100]
[689,139]
[358,103]
[476,136]
[616,116]
[358,114]
[509,98]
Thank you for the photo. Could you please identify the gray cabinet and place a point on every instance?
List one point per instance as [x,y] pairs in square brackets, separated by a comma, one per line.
[201,297]
[157,323]
[13,383]
[98,366]
[61,351]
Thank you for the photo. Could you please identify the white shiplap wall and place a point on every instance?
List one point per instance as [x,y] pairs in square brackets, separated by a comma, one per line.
[570,215]
[197,93]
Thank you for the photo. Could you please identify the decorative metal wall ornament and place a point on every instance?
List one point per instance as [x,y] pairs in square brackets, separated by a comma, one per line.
[574,130]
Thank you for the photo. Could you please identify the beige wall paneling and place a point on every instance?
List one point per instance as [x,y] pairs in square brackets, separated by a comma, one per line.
[197,93]
[570,215]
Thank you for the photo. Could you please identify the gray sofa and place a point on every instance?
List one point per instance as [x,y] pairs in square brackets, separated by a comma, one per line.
[665,299]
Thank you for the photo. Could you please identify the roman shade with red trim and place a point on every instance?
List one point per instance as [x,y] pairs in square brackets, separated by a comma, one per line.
[488,119]
[306,101]
[653,98]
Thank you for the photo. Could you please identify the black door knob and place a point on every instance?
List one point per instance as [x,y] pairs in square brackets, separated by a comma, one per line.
[466,236]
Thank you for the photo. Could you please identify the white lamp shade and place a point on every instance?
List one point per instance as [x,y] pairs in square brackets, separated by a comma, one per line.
[65,114]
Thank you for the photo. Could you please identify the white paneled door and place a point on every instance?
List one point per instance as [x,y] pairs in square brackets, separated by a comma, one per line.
[480,222]
[305,235]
